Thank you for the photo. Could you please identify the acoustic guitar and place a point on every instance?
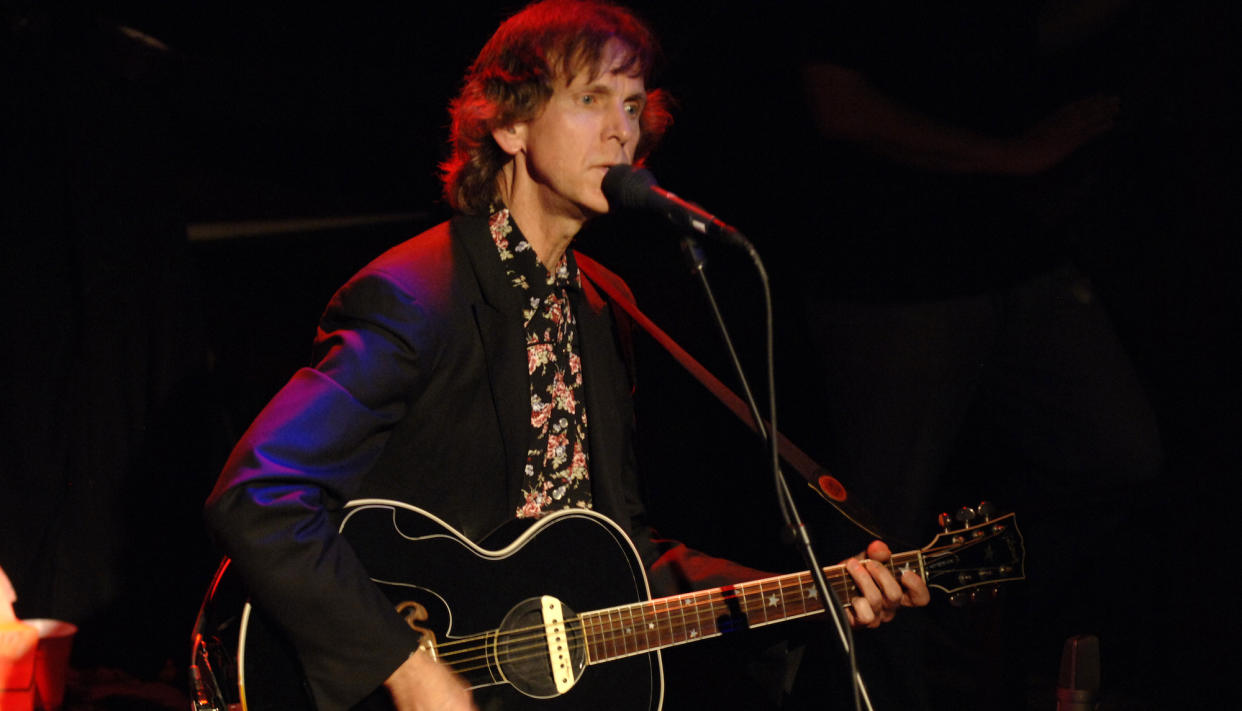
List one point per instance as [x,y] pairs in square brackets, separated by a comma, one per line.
[556,616]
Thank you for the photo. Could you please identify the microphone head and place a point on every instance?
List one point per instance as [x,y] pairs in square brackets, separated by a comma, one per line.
[628,187]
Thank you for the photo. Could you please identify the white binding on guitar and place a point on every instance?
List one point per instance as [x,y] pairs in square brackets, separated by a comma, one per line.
[458,595]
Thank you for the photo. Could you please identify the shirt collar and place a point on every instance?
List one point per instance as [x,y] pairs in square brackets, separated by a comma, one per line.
[520,260]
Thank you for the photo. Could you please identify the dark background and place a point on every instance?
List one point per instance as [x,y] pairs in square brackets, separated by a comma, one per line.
[145,327]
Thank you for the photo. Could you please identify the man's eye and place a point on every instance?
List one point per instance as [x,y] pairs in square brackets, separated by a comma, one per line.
[588,99]
[633,109]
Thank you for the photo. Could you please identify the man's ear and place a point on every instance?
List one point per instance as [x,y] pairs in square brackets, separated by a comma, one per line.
[511,139]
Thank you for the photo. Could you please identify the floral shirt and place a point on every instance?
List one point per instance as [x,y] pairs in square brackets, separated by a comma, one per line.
[557,458]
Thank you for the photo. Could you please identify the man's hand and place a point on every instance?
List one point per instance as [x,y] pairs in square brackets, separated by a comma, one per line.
[421,684]
[880,594]
[849,108]
[1052,140]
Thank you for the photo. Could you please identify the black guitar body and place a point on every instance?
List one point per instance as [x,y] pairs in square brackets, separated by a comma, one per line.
[463,593]
[520,616]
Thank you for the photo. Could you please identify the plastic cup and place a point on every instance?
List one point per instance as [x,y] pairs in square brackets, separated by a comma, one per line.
[17,689]
[52,661]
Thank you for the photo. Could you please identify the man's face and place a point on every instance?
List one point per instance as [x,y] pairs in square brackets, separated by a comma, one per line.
[586,127]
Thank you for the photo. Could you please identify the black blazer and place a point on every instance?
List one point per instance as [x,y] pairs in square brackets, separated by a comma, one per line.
[419,393]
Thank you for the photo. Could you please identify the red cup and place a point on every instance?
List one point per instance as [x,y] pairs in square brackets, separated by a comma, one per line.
[52,661]
[17,663]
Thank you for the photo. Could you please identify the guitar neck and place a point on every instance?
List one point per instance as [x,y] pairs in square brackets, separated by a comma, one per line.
[642,627]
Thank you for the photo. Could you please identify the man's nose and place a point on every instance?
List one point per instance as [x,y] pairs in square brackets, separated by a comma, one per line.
[622,125]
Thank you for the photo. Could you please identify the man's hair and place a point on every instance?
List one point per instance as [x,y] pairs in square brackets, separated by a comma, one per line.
[511,81]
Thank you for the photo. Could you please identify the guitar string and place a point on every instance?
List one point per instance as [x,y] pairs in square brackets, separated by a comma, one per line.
[593,632]
[601,631]
[596,628]
[537,649]
[842,585]
[697,600]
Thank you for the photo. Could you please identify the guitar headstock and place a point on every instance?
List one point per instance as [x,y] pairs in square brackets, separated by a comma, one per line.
[984,551]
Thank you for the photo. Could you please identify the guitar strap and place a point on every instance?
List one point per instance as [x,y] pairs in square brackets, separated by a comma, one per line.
[816,475]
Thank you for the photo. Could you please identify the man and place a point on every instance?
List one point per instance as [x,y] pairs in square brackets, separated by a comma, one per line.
[961,347]
[471,370]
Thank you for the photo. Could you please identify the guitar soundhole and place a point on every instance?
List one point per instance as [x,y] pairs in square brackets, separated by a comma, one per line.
[522,649]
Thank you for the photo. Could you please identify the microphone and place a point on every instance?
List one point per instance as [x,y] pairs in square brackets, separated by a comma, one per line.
[635,189]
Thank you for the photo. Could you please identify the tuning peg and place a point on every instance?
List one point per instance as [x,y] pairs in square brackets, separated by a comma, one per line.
[946,521]
[959,599]
[986,510]
[984,594]
[965,515]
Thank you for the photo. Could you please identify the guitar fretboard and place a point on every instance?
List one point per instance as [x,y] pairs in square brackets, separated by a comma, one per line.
[617,632]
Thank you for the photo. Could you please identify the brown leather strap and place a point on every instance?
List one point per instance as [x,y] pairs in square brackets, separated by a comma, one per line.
[816,475]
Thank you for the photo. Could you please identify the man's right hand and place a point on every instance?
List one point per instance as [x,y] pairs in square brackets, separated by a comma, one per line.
[422,684]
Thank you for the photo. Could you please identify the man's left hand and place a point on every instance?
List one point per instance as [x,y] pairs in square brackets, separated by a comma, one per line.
[880,594]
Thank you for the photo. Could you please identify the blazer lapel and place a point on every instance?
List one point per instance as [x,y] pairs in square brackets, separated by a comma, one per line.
[498,317]
[601,373]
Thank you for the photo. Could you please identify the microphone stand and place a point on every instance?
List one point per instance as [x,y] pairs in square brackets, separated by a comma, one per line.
[795,531]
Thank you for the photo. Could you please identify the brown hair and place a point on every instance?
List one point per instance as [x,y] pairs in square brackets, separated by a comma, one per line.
[512,77]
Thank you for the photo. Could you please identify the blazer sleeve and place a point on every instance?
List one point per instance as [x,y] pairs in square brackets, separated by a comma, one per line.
[275,509]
